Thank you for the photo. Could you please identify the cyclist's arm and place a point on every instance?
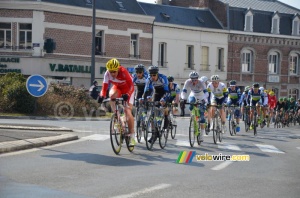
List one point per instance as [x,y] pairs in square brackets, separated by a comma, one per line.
[183,94]
[105,84]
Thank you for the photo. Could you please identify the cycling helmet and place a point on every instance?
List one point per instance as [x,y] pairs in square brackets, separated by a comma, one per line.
[170,78]
[232,83]
[285,99]
[194,75]
[139,68]
[153,69]
[215,78]
[271,93]
[255,85]
[112,65]
[204,79]
[292,99]
[280,99]
[94,82]
[262,89]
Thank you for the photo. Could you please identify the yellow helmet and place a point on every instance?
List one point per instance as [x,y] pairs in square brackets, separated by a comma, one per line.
[271,93]
[112,65]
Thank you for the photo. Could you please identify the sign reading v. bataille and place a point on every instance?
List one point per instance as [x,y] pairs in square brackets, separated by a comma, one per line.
[69,68]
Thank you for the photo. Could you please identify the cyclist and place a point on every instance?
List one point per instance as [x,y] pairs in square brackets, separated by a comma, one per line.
[198,92]
[234,96]
[122,86]
[292,106]
[204,80]
[243,99]
[139,80]
[286,108]
[255,95]
[217,96]
[279,107]
[264,105]
[157,84]
[272,101]
[174,91]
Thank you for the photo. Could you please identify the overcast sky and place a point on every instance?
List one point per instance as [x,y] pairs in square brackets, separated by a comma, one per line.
[294,3]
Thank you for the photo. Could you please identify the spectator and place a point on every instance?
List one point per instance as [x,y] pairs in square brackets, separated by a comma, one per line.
[94,90]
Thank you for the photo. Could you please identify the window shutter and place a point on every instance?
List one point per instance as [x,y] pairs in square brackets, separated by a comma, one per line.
[248,23]
[295,30]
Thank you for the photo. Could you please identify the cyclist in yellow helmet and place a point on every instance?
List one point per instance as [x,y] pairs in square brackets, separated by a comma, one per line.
[122,86]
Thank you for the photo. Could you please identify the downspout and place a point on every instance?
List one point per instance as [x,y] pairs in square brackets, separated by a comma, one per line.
[229,36]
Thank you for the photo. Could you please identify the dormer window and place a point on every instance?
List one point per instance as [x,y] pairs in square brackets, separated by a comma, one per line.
[296,26]
[249,21]
[275,23]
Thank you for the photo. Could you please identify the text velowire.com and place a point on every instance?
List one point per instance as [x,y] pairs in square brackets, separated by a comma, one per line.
[221,157]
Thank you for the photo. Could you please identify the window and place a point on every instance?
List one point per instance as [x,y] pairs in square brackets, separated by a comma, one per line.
[275,24]
[5,35]
[121,6]
[190,56]
[25,36]
[220,66]
[99,43]
[274,62]
[294,93]
[134,46]
[249,22]
[205,59]
[162,47]
[296,26]
[294,64]
[247,61]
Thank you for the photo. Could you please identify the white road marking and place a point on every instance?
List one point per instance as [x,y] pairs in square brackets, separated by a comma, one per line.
[144,191]
[222,165]
[268,148]
[228,146]
[182,143]
[97,137]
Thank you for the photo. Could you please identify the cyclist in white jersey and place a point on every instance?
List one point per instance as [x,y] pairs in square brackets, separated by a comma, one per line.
[198,92]
[217,96]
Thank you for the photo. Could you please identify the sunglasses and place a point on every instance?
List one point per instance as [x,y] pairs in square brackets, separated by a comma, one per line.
[138,72]
[112,72]
[153,75]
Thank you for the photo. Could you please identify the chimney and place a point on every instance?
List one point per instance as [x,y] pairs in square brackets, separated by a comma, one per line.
[163,2]
[191,3]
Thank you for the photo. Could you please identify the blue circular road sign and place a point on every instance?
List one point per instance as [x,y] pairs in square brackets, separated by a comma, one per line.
[36,85]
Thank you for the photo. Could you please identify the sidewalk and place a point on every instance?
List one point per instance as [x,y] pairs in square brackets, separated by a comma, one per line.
[19,137]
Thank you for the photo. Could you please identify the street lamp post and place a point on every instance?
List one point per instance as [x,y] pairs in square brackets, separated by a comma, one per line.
[93,44]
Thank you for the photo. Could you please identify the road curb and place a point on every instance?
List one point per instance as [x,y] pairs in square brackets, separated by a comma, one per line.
[63,129]
[52,118]
[10,146]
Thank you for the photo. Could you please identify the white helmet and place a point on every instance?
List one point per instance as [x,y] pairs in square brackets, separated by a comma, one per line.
[215,78]
[204,79]
[194,75]
[262,89]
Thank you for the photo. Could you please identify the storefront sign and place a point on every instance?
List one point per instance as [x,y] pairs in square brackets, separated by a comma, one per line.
[69,68]
[9,60]
[4,69]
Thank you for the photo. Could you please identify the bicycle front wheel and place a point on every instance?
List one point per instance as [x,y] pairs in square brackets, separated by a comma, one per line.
[163,135]
[192,131]
[150,134]
[230,123]
[127,140]
[255,125]
[215,130]
[115,134]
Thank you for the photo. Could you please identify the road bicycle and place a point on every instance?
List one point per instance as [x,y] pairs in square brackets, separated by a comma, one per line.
[118,127]
[155,126]
[173,122]
[141,120]
[195,125]
[216,118]
[247,120]
[231,119]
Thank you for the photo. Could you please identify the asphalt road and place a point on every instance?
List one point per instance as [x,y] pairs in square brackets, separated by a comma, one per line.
[89,168]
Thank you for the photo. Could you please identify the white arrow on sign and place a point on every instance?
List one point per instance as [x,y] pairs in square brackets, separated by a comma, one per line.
[41,85]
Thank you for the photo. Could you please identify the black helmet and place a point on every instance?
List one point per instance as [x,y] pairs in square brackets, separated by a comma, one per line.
[139,67]
[170,78]
[94,82]
[153,69]
[256,85]
[232,83]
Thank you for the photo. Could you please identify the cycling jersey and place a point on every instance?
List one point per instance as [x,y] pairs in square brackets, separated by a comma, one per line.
[123,83]
[161,86]
[243,99]
[292,106]
[140,84]
[198,90]
[272,100]
[174,90]
[234,96]
[218,94]
[279,106]
[253,97]
[265,102]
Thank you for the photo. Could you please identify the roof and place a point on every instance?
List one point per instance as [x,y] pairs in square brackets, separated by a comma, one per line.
[181,15]
[265,5]
[125,6]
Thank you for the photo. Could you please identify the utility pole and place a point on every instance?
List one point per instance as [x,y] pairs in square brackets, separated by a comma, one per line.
[93,44]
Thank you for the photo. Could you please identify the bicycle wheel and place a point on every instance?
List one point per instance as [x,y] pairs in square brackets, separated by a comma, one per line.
[163,135]
[127,140]
[192,131]
[215,132]
[115,134]
[198,136]
[150,135]
[233,126]
[255,125]
[139,130]
[246,122]
[230,124]
[219,134]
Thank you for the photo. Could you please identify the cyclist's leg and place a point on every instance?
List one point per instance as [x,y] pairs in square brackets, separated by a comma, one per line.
[114,93]
[130,118]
